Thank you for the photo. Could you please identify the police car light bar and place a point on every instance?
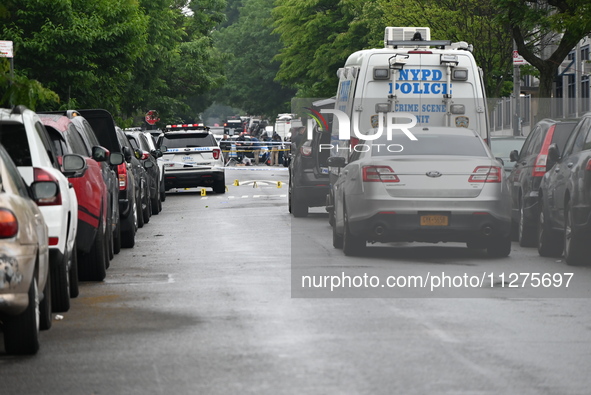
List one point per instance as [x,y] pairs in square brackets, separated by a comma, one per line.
[187,126]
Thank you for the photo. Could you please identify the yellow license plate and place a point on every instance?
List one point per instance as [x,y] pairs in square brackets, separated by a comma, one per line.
[434,220]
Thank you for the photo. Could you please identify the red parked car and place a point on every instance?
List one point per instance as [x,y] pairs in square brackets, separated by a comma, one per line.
[91,190]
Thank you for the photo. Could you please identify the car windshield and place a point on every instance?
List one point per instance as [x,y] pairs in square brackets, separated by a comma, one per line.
[188,140]
[429,144]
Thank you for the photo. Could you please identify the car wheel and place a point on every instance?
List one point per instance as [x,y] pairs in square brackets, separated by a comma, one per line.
[21,332]
[60,288]
[128,236]
[352,245]
[140,208]
[162,191]
[550,242]
[93,265]
[117,238]
[111,243]
[154,204]
[526,231]
[73,274]
[299,208]
[147,213]
[337,239]
[220,186]
[45,310]
[575,247]
[499,246]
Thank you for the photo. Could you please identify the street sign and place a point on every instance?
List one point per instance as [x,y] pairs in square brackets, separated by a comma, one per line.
[152,117]
[518,59]
[6,49]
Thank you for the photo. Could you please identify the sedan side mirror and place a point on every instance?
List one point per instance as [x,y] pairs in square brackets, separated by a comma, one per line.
[514,155]
[73,165]
[163,149]
[148,164]
[337,161]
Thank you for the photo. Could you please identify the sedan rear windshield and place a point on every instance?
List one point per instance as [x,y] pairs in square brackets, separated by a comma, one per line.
[188,140]
[429,144]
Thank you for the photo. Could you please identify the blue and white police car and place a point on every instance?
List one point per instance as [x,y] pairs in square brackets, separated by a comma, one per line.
[192,158]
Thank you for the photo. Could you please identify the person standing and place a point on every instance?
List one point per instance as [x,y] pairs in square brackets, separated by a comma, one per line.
[276,141]
[225,146]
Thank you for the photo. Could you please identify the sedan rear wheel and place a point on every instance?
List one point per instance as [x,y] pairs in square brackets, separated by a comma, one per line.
[337,239]
[499,246]
[21,332]
[60,289]
[352,245]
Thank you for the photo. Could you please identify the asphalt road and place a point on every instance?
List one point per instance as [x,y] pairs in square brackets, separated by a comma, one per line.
[210,302]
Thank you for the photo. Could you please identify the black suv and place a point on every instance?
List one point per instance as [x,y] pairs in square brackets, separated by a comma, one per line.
[308,171]
[565,198]
[527,174]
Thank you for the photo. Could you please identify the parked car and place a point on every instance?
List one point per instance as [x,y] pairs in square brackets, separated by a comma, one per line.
[103,126]
[501,147]
[445,187]
[308,174]
[565,198]
[192,158]
[27,142]
[148,156]
[95,241]
[24,258]
[152,140]
[527,173]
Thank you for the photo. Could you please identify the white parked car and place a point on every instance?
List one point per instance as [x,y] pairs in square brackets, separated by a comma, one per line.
[28,144]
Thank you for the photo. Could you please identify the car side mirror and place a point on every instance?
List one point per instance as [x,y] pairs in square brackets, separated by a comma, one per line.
[100,154]
[553,156]
[514,155]
[127,154]
[73,165]
[337,161]
[163,149]
[148,164]
[156,153]
[44,192]
[116,159]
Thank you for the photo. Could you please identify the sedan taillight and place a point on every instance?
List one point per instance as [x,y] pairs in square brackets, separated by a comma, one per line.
[44,175]
[486,174]
[379,174]
[216,153]
[8,224]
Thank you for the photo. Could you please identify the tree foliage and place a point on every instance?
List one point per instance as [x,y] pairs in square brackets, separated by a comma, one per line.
[251,69]
[127,56]
[545,31]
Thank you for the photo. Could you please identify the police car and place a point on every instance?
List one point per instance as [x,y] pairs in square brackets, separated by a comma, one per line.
[192,158]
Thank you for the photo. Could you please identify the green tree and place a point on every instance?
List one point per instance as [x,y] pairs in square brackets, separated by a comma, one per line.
[472,21]
[545,31]
[318,36]
[251,69]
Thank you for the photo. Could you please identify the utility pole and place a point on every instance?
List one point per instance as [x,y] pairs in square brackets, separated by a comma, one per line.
[516,93]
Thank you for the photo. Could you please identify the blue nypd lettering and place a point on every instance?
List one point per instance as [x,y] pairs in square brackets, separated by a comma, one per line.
[428,82]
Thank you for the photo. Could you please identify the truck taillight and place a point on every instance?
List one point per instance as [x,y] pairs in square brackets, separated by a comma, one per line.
[8,224]
[122,176]
[379,174]
[44,175]
[486,174]
[216,153]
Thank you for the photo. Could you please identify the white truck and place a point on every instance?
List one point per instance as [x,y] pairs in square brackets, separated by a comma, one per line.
[284,123]
[438,82]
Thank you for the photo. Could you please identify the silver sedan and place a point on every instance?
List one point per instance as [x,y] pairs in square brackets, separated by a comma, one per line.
[444,187]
